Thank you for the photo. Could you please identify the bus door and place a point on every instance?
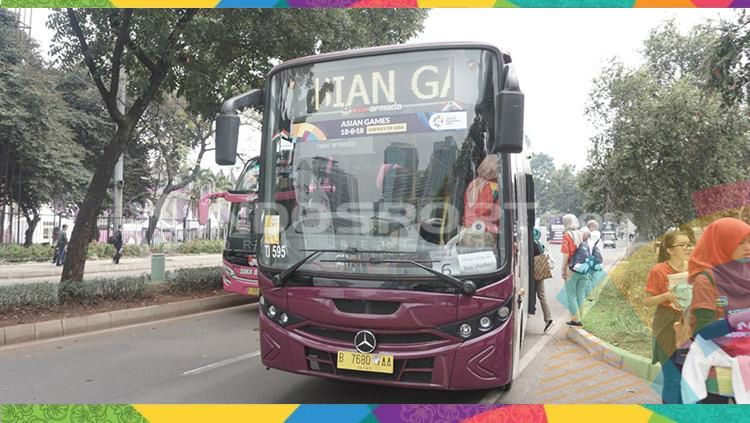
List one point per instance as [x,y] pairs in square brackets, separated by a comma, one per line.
[521,266]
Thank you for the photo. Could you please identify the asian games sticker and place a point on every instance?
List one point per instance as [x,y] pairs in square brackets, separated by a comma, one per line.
[271,228]
[448,121]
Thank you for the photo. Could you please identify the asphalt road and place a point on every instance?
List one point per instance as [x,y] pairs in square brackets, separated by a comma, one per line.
[214,358]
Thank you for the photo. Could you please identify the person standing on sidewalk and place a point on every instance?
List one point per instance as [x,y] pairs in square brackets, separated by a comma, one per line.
[674,251]
[575,283]
[62,243]
[117,243]
[539,250]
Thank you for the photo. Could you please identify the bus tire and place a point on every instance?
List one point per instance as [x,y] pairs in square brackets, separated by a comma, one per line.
[507,386]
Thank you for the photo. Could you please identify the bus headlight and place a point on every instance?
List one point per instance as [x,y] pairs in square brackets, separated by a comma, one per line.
[480,324]
[503,312]
[272,311]
[464,330]
[228,270]
[485,323]
[283,318]
[262,301]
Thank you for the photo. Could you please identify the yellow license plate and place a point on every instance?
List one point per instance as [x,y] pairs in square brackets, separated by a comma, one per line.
[253,292]
[378,363]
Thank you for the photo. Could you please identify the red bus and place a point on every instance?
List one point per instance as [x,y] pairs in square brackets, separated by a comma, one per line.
[395,215]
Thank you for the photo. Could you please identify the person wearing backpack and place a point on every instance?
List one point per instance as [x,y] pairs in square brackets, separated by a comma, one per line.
[574,239]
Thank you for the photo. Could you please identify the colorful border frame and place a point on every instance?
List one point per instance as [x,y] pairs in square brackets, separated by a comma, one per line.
[296,413]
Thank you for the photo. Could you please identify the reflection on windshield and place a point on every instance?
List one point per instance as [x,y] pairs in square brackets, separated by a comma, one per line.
[413,177]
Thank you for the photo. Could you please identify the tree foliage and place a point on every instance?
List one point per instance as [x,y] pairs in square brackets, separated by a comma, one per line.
[39,156]
[663,132]
[203,55]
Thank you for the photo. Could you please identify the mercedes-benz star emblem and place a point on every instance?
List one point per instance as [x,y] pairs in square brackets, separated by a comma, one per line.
[364,341]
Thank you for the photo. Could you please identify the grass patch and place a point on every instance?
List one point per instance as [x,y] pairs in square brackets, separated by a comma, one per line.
[619,316]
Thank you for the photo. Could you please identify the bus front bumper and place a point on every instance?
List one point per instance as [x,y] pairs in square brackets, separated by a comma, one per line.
[481,363]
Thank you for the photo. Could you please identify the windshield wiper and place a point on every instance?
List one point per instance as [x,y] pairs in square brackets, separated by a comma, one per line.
[281,278]
[464,287]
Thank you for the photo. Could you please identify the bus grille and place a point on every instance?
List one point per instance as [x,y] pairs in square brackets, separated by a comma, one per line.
[382,338]
[412,370]
[366,306]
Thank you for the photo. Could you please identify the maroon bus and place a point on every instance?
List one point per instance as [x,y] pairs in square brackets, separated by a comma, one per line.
[240,267]
[395,215]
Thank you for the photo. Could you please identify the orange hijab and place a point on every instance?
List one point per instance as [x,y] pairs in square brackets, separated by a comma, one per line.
[716,245]
[713,253]
[487,172]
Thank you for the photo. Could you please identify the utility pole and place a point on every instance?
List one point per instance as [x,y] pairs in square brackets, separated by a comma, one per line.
[118,177]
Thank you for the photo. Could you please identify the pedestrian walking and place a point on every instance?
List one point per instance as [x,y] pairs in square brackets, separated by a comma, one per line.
[575,283]
[117,243]
[542,271]
[62,243]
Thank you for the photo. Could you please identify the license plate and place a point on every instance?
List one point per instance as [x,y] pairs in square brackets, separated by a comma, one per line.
[377,363]
[253,292]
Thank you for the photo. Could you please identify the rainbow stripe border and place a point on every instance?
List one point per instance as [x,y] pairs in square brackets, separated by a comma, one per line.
[297,413]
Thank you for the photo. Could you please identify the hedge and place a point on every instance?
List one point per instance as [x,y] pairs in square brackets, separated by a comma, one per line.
[14,253]
[195,279]
[45,295]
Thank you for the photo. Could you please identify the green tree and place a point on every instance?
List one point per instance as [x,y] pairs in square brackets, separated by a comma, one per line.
[40,158]
[205,55]
[564,193]
[727,61]
[659,140]
[173,134]
[543,168]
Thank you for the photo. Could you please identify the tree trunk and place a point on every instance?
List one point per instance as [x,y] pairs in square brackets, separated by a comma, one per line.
[75,259]
[32,223]
[153,220]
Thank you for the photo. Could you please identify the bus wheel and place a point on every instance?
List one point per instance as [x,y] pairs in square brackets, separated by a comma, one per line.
[506,387]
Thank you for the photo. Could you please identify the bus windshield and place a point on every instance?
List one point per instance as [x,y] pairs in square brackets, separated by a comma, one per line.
[384,157]
[248,181]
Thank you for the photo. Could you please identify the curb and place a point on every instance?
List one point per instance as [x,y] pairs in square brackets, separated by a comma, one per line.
[614,356]
[112,319]
[608,353]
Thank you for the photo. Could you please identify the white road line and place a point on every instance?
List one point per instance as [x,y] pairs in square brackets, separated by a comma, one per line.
[221,363]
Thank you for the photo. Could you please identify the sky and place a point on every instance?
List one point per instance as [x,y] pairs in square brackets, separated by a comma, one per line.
[557,52]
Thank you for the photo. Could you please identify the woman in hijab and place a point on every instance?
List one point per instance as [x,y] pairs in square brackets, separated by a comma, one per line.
[575,283]
[539,250]
[481,213]
[719,271]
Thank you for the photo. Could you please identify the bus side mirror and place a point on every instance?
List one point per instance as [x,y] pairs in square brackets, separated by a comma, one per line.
[509,106]
[227,132]
[228,125]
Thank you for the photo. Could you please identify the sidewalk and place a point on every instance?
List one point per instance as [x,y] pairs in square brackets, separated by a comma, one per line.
[565,373]
[45,271]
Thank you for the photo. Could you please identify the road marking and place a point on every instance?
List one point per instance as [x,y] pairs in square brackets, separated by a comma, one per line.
[221,363]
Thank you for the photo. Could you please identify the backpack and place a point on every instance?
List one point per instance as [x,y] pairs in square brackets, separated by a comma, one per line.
[586,261]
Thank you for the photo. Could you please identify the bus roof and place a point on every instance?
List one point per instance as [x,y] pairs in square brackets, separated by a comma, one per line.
[396,48]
